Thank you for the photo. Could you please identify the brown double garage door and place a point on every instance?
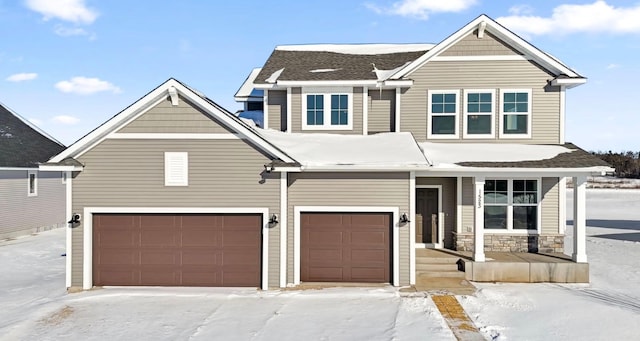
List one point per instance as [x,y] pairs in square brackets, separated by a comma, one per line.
[177,249]
[345,247]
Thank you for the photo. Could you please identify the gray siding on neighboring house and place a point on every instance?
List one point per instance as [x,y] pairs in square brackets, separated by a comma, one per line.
[297,111]
[130,173]
[448,205]
[166,118]
[381,110]
[459,75]
[549,206]
[21,214]
[470,45]
[350,189]
[277,110]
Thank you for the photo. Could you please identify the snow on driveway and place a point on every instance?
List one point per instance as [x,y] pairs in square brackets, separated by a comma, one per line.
[35,306]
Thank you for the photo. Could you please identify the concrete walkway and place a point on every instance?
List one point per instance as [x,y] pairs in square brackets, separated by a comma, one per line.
[457,319]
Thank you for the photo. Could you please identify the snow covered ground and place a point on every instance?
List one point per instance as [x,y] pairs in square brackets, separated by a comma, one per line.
[35,306]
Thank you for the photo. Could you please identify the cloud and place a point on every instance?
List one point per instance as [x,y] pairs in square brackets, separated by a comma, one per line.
[612,66]
[86,86]
[65,119]
[521,10]
[64,31]
[68,10]
[594,18]
[20,77]
[421,9]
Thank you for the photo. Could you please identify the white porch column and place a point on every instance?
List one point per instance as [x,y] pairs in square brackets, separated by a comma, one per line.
[478,226]
[579,219]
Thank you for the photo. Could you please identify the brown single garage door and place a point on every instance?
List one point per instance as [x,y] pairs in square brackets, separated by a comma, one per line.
[177,249]
[345,247]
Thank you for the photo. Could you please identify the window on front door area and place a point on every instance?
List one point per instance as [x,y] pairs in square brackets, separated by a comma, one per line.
[443,114]
[511,204]
[327,109]
[516,114]
[478,113]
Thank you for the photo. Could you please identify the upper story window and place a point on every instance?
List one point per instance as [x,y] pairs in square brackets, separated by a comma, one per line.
[443,114]
[32,183]
[479,112]
[515,121]
[327,109]
[511,204]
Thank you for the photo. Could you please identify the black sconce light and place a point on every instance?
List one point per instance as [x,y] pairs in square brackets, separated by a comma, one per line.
[404,218]
[273,219]
[75,219]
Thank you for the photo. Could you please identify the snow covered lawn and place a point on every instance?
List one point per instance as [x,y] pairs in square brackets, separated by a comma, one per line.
[35,306]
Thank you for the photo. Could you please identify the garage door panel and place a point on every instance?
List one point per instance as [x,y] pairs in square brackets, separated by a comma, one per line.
[345,247]
[177,250]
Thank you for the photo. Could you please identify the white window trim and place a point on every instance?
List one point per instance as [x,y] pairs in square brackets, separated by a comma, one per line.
[35,183]
[503,113]
[510,229]
[456,115]
[327,92]
[466,114]
[185,168]
[87,263]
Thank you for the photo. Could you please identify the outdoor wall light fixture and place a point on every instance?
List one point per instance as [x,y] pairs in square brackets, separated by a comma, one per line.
[273,219]
[75,219]
[404,218]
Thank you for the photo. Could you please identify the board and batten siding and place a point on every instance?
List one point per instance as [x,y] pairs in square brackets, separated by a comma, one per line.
[448,205]
[381,114]
[21,214]
[167,118]
[277,110]
[505,74]
[350,189]
[549,206]
[488,45]
[297,111]
[130,173]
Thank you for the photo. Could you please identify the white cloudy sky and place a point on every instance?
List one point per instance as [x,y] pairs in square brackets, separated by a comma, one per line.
[69,65]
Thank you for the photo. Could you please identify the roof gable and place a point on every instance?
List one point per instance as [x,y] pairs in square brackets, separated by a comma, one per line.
[484,22]
[170,88]
[23,144]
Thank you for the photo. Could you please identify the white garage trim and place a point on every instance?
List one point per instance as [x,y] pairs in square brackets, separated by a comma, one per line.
[87,277]
[297,210]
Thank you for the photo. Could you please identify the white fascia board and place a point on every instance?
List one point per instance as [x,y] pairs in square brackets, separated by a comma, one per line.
[496,29]
[398,82]
[286,169]
[19,168]
[361,168]
[328,83]
[115,121]
[568,82]
[507,172]
[266,86]
[60,168]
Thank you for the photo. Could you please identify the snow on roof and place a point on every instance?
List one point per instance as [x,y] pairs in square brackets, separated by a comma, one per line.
[274,76]
[449,154]
[385,150]
[358,48]
[246,89]
[324,70]
[385,74]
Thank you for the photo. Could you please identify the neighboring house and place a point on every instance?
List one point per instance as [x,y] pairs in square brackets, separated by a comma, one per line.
[370,153]
[30,200]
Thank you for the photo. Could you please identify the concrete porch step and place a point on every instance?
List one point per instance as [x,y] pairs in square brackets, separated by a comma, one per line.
[447,274]
[436,266]
[436,260]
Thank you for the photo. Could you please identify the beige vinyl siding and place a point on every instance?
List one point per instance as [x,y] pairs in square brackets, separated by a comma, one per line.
[448,205]
[471,45]
[167,118]
[350,189]
[277,110]
[130,173]
[459,75]
[550,208]
[297,111]
[549,205]
[381,114]
[21,214]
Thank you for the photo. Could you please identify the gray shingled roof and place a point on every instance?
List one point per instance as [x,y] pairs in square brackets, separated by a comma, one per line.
[578,158]
[21,145]
[299,64]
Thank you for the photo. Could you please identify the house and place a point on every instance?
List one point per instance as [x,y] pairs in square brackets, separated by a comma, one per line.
[369,154]
[31,200]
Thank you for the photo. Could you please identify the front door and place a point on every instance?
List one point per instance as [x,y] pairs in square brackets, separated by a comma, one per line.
[427,215]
